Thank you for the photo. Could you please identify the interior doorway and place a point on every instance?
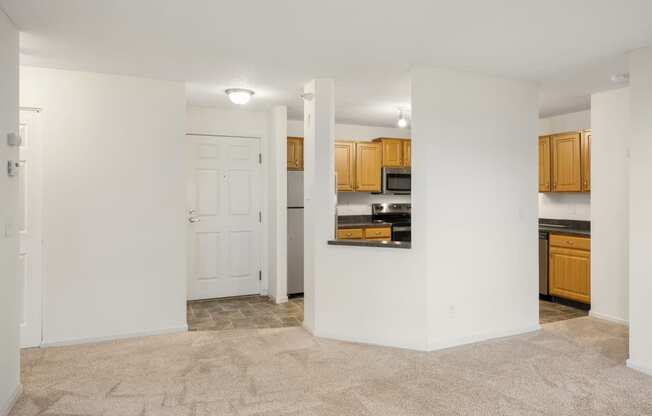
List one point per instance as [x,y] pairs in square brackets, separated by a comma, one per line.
[30,228]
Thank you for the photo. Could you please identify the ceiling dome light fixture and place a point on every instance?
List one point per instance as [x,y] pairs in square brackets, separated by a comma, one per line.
[402,121]
[240,96]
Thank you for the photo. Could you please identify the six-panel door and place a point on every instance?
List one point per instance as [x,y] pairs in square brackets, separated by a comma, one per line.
[224,195]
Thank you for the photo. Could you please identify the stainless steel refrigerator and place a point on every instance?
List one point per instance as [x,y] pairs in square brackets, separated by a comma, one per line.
[295,232]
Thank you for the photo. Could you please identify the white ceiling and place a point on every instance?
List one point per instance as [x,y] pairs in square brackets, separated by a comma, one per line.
[571,47]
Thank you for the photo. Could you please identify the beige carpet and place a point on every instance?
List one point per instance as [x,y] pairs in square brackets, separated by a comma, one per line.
[572,367]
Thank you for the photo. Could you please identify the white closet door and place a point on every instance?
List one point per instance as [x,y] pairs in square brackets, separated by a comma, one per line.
[30,279]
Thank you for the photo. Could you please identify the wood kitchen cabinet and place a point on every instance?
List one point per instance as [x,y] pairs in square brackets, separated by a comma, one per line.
[586,160]
[570,267]
[368,167]
[544,164]
[345,166]
[566,162]
[371,233]
[407,153]
[392,152]
[295,153]
[358,166]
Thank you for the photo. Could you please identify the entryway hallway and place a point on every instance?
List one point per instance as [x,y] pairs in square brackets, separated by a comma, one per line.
[573,367]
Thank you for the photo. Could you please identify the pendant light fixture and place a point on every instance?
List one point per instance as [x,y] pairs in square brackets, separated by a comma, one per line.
[402,120]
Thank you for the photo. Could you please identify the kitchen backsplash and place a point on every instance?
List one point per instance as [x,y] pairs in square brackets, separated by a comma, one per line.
[571,206]
[357,203]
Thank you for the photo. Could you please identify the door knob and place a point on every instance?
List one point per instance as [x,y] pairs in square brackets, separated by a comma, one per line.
[193,220]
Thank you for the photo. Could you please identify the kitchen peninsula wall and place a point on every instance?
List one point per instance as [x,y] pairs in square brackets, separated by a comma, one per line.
[358,203]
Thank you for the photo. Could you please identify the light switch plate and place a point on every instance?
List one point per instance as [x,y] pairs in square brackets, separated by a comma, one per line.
[14,140]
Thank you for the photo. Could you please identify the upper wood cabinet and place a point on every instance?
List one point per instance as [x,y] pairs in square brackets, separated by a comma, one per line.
[566,162]
[295,153]
[397,153]
[544,164]
[586,161]
[407,153]
[368,164]
[570,268]
[345,166]
[392,152]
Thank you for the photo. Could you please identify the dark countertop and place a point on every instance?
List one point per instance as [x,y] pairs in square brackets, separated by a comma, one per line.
[363,225]
[565,227]
[565,231]
[371,243]
[359,221]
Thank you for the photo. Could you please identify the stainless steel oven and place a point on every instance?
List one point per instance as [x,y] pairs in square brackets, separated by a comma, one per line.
[397,181]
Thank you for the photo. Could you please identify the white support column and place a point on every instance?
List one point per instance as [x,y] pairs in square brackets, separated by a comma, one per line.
[277,121]
[640,206]
[319,186]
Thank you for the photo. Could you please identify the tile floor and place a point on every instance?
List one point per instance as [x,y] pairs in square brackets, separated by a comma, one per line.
[569,368]
[257,312]
[553,312]
[244,312]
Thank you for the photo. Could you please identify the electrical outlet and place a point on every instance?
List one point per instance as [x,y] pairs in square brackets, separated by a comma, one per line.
[451,311]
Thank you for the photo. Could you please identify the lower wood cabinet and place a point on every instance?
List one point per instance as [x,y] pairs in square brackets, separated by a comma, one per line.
[371,233]
[570,267]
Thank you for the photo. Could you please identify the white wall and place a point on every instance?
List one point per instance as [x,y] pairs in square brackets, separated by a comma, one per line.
[114,203]
[362,294]
[566,122]
[358,203]
[610,205]
[9,336]
[277,182]
[565,206]
[640,207]
[473,172]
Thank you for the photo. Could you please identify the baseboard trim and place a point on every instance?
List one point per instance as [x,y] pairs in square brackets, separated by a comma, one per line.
[279,300]
[367,341]
[640,368]
[92,340]
[444,344]
[611,319]
[13,399]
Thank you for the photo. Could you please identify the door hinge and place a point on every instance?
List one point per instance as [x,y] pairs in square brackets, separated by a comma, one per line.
[260,275]
[260,158]
[260,217]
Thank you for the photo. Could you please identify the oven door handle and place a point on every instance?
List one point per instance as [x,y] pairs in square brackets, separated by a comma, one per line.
[402,228]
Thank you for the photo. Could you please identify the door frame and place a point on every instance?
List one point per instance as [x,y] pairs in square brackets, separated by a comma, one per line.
[37,270]
[264,206]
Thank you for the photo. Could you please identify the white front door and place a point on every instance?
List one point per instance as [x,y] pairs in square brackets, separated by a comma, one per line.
[224,196]
[30,229]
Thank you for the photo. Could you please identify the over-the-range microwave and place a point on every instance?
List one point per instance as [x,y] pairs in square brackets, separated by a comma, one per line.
[397,181]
